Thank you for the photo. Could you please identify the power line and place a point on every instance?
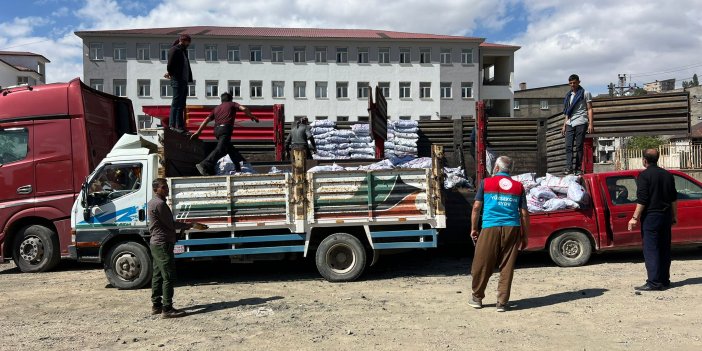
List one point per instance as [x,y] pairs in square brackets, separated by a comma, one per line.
[18,45]
[671,70]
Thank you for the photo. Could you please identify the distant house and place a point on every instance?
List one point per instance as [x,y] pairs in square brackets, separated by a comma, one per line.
[539,102]
[660,86]
[17,67]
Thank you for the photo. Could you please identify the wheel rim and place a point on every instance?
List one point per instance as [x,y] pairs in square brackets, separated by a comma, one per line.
[32,249]
[127,266]
[341,258]
[571,249]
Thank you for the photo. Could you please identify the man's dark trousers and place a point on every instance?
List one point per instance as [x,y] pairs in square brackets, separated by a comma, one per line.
[574,136]
[656,233]
[164,274]
[180,93]
[223,133]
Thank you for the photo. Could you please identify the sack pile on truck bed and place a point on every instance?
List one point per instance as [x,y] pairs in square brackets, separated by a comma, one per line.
[402,138]
[552,193]
[336,144]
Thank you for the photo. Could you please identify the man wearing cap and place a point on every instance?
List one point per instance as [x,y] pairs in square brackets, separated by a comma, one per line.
[180,74]
[223,115]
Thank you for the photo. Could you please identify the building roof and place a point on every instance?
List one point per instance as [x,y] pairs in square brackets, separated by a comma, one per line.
[321,33]
[547,92]
[22,53]
[19,68]
[499,46]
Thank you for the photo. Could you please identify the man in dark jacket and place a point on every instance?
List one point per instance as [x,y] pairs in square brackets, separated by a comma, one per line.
[298,137]
[180,74]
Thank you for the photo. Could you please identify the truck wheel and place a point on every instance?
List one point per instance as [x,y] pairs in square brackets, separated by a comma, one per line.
[570,249]
[128,266]
[341,258]
[36,249]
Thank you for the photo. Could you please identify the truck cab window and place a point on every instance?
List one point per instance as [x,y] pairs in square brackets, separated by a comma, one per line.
[14,143]
[687,190]
[113,182]
[622,190]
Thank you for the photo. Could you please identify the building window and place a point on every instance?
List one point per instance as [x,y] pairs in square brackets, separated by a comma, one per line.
[320,90]
[320,118]
[300,90]
[233,54]
[96,53]
[190,52]
[143,88]
[119,52]
[342,90]
[144,121]
[297,118]
[211,88]
[384,89]
[425,55]
[97,84]
[166,88]
[445,56]
[405,90]
[362,90]
[342,55]
[22,80]
[425,118]
[163,52]
[467,56]
[255,54]
[278,89]
[342,118]
[405,55]
[211,53]
[256,88]
[516,104]
[234,88]
[119,87]
[363,118]
[362,55]
[405,118]
[445,117]
[320,54]
[277,54]
[544,104]
[467,90]
[446,91]
[191,89]
[383,55]
[424,90]
[143,52]
[299,54]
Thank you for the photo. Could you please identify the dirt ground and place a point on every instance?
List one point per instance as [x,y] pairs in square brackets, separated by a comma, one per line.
[411,301]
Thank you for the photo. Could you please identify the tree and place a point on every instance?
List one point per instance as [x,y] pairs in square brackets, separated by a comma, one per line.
[640,91]
[695,82]
[645,142]
[685,85]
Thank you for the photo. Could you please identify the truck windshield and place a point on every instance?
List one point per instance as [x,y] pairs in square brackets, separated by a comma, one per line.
[112,182]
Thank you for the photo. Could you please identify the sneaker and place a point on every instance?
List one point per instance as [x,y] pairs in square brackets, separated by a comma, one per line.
[475,303]
[567,172]
[170,312]
[500,307]
[578,172]
[156,309]
[202,170]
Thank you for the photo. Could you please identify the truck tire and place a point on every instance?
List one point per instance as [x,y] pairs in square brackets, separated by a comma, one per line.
[36,249]
[128,266]
[570,249]
[341,257]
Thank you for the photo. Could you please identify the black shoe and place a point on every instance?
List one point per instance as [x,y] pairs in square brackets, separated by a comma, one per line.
[202,170]
[170,312]
[156,309]
[647,287]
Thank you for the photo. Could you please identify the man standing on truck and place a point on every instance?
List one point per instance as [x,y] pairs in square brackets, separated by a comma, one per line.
[180,74]
[223,116]
[162,229]
[577,108]
[657,209]
[505,229]
[299,136]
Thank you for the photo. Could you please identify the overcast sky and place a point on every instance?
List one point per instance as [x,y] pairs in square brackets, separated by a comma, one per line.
[646,39]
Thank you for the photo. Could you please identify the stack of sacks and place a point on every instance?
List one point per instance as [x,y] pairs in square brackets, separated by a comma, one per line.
[455,178]
[552,193]
[361,145]
[331,143]
[402,138]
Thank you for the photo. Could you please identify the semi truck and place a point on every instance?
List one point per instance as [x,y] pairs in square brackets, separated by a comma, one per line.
[51,137]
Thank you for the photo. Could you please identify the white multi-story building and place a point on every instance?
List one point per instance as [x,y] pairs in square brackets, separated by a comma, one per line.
[318,73]
[17,67]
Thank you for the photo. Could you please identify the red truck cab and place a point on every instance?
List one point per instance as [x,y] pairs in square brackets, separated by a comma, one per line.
[51,137]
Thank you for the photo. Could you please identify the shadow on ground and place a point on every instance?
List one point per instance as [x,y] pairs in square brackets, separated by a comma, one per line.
[554,299]
[218,306]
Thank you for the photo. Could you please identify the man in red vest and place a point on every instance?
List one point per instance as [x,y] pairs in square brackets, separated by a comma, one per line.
[505,226]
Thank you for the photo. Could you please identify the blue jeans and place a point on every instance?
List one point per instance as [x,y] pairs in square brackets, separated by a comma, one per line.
[656,233]
[180,93]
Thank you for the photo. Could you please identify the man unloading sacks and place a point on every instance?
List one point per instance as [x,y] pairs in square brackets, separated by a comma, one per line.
[223,116]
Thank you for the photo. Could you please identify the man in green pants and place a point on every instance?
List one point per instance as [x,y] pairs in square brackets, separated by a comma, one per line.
[163,228]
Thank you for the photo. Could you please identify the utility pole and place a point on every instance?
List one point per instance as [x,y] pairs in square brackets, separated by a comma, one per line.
[622,85]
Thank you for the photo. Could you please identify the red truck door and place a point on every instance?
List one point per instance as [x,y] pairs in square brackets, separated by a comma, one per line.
[620,194]
[688,228]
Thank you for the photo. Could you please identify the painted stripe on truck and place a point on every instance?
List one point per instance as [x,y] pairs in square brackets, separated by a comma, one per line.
[235,252]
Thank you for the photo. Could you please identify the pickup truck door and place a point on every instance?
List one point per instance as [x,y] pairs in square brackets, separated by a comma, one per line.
[620,194]
[689,226]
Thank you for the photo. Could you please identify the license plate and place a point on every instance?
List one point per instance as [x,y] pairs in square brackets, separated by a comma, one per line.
[178,249]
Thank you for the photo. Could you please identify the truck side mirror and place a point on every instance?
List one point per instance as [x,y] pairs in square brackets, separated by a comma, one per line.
[84,190]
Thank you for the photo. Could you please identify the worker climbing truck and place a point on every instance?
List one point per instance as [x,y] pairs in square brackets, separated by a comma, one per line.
[341,218]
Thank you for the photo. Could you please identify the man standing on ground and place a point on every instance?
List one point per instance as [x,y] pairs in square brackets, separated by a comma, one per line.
[299,136]
[180,74]
[577,108]
[505,229]
[223,116]
[162,229]
[657,210]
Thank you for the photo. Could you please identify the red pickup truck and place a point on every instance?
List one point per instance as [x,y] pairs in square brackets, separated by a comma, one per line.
[571,236]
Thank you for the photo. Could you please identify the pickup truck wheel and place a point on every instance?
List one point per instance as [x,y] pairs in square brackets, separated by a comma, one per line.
[340,258]
[570,249]
[128,266]
[36,249]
